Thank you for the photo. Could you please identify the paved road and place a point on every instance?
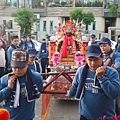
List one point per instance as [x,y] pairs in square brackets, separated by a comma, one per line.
[38,109]
[63,110]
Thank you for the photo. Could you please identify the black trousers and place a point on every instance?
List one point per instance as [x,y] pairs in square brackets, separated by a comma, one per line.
[2,72]
[118,105]
[82,118]
[44,65]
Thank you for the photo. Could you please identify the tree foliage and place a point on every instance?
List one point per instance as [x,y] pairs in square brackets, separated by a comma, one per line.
[78,13]
[113,9]
[25,19]
[88,18]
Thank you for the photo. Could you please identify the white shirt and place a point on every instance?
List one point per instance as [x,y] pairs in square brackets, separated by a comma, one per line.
[2,57]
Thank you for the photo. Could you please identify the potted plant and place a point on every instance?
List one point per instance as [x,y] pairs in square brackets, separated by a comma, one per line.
[113,9]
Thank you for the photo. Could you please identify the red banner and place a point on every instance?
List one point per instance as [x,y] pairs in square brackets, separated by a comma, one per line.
[45,105]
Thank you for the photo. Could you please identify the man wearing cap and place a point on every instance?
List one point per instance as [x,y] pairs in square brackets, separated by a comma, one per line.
[105,45]
[95,86]
[30,43]
[32,63]
[43,55]
[20,88]
[92,39]
[23,42]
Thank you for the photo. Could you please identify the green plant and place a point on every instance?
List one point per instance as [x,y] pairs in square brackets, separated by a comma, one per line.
[35,33]
[88,18]
[113,9]
[78,4]
[76,14]
[98,4]
[15,3]
[63,3]
[89,4]
[46,35]
[38,4]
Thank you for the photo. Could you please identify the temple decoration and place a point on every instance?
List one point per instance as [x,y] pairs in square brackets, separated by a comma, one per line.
[79,29]
[68,30]
[79,59]
[65,46]
[56,59]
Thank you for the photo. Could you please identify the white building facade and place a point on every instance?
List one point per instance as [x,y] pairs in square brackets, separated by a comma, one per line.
[49,11]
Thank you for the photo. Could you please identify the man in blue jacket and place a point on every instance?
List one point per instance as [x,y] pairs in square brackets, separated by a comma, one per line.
[43,55]
[30,43]
[105,45]
[20,88]
[14,44]
[33,64]
[96,86]
[93,39]
[23,42]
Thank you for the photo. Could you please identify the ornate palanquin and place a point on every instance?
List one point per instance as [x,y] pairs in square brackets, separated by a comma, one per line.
[66,54]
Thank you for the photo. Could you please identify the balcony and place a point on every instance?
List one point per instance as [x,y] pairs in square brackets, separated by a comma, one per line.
[89,4]
[111,11]
[107,14]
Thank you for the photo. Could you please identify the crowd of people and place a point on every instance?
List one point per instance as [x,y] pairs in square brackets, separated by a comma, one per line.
[20,80]
[96,85]
[26,43]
